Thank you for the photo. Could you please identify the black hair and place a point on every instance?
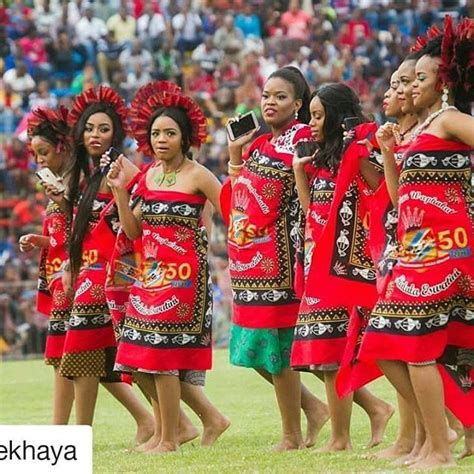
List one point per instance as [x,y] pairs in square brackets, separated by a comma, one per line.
[46,131]
[414,56]
[92,180]
[294,76]
[339,102]
[181,118]
[461,97]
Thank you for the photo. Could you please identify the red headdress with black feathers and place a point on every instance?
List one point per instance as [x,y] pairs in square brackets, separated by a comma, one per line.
[57,119]
[160,94]
[100,94]
[457,56]
[421,41]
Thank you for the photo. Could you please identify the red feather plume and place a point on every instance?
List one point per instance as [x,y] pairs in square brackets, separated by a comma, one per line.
[56,118]
[159,94]
[101,94]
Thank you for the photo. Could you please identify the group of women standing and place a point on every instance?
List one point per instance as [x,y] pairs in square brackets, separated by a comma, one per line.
[325,277]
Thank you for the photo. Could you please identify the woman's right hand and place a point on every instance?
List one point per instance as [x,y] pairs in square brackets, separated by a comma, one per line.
[386,136]
[116,177]
[28,242]
[243,140]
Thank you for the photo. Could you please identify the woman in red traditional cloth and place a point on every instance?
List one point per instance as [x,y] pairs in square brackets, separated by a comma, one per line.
[98,119]
[48,135]
[425,312]
[166,333]
[261,203]
[333,195]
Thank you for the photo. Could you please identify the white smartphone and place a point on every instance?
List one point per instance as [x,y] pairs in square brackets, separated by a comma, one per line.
[245,124]
[48,177]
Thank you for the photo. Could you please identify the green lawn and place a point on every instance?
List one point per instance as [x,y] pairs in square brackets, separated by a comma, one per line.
[25,394]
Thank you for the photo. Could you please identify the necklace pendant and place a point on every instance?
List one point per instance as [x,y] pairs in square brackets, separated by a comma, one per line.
[170,179]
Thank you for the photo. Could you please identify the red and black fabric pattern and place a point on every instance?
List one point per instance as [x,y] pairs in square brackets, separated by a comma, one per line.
[341,274]
[263,226]
[168,321]
[51,299]
[429,301]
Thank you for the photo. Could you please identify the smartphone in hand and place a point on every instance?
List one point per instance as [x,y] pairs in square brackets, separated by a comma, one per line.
[113,154]
[306,148]
[350,123]
[242,126]
[46,176]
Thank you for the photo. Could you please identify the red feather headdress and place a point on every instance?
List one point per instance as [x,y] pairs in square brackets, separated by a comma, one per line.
[457,55]
[101,94]
[421,41]
[159,94]
[57,119]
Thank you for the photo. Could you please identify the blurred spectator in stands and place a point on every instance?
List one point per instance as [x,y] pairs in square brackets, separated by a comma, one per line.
[85,79]
[203,86]
[358,28]
[10,108]
[228,73]
[248,21]
[108,53]
[135,79]
[45,17]
[66,59]
[19,79]
[229,39]
[64,22]
[75,9]
[247,96]
[296,23]
[325,69]
[152,27]
[168,62]
[207,55]
[103,9]
[34,50]
[123,25]
[20,17]
[137,54]
[27,215]
[187,28]
[42,97]
[89,29]
[6,49]
[17,160]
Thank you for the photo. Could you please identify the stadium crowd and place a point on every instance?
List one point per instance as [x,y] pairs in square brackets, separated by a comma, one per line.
[218,51]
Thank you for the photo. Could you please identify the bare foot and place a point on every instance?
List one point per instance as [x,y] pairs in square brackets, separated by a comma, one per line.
[317,414]
[378,423]
[145,430]
[397,450]
[289,443]
[468,444]
[335,445]
[417,454]
[164,448]
[213,430]
[188,434]
[152,443]
[433,461]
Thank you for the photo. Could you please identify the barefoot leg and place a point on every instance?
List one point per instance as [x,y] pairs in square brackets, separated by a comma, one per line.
[63,398]
[186,430]
[468,443]
[315,410]
[340,411]
[124,394]
[406,433]
[214,422]
[428,388]
[85,397]
[288,393]
[169,393]
[456,430]
[379,413]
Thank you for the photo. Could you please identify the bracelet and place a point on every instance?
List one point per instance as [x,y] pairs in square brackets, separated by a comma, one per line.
[233,172]
[236,167]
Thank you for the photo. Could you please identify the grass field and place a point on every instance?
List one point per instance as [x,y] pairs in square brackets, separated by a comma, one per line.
[25,394]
